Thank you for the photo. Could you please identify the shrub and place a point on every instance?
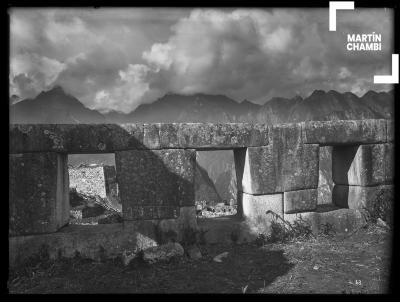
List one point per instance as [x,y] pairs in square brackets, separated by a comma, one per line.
[283,231]
[382,208]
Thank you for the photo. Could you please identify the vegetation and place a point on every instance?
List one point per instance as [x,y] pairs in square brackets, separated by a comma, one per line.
[382,208]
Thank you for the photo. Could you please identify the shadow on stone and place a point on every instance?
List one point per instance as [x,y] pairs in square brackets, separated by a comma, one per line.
[156,187]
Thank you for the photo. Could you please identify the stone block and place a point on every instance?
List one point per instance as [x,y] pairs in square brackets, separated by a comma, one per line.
[239,156]
[101,138]
[390,130]
[278,168]
[389,162]
[341,220]
[300,201]
[324,194]
[255,208]
[149,212]
[111,184]
[79,138]
[174,229]
[36,138]
[151,136]
[325,181]
[169,135]
[364,165]
[38,193]
[221,136]
[359,197]
[155,182]
[63,211]
[344,132]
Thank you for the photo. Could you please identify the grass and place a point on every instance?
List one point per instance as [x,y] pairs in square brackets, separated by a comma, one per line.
[382,208]
[326,265]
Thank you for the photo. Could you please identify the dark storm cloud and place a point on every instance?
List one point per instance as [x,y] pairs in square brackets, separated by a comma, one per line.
[118,59]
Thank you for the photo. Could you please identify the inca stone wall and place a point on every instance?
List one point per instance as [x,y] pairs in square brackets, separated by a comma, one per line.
[277,169]
[89,180]
[38,193]
[111,184]
[153,185]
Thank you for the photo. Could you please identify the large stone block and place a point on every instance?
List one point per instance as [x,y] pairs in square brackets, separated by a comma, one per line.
[340,220]
[325,181]
[176,229]
[79,138]
[344,132]
[255,209]
[154,183]
[151,136]
[134,212]
[300,201]
[102,138]
[358,197]
[111,184]
[38,193]
[390,130]
[364,165]
[221,136]
[169,135]
[284,165]
[239,156]
[36,138]
[389,162]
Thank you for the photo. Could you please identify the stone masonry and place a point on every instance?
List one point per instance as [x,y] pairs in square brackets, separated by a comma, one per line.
[277,171]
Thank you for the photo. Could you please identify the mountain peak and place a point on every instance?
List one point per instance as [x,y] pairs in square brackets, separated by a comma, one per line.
[333,92]
[297,98]
[56,90]
[370,93]
[247,102]
[54,106]
[317,93]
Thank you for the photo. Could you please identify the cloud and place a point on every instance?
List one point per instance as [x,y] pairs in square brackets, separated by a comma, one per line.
[31,73]
[117,59]
[257,54]
[131,87]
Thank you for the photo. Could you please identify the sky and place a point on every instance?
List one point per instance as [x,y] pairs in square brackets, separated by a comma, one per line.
[119,58]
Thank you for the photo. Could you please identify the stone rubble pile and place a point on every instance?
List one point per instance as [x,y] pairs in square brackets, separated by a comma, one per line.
[220,209]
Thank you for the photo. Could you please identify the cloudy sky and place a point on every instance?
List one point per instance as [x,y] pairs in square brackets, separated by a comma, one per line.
[116,59]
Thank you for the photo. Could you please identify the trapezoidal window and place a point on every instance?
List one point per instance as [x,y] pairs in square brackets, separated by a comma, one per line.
[93,189]
[215,184]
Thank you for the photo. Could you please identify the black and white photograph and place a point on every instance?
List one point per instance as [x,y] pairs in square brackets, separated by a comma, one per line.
[193,150]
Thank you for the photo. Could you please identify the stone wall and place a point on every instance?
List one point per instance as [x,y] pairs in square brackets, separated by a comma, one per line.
[38,193]
[277,170]
[88,180]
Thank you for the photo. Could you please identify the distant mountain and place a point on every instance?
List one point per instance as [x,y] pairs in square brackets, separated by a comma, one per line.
[320,105]
[332,105]
[277,110]
[53,107]
[189,108]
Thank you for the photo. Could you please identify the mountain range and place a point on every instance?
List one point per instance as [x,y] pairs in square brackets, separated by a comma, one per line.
[56,106]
